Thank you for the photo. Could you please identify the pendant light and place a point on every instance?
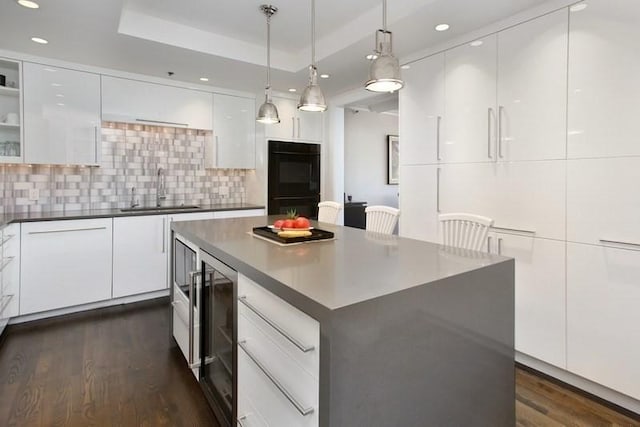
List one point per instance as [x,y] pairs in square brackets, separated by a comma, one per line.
[268,113]
[384,74]
[312,98]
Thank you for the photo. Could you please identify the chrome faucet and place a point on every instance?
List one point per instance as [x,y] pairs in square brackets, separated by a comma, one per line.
[161,193]
[133,202]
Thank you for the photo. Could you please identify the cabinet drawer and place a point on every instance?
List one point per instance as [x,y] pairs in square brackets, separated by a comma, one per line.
[248,415]
[303,332]
[268,399]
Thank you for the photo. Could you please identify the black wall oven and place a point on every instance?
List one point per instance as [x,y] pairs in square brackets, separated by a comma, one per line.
[294,178]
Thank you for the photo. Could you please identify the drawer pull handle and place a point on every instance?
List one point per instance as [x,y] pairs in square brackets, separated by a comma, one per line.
[68,231]
[240,420]
[5,261]
[302,347]
[7,238]
[303,411]
[162,122]
[617,242]
[5,300]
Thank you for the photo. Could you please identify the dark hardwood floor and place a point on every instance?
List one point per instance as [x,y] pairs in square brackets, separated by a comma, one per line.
[110,367]
[118,367]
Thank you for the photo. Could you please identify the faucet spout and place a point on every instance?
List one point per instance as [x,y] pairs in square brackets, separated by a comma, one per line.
[161,192]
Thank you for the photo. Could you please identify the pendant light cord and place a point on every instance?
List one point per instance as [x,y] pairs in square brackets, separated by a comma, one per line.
[384,15]
[268,51]
[313,32]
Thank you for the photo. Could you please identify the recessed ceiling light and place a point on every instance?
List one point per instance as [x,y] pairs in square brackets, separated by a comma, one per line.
[29,4]
[204,79]
[292,89]
[56,84]
[61,104]
[405,66]
[50,70]
[371,56]
[39,40]
[59,95]
[442,27]
[578,7]
[324,76]
[476,43]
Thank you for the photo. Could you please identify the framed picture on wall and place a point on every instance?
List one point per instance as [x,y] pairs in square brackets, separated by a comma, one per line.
[393,159]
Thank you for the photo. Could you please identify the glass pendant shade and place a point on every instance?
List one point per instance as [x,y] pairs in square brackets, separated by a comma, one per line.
[312,98]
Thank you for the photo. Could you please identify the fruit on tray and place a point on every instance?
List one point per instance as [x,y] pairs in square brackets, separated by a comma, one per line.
[293,221]
[294,233]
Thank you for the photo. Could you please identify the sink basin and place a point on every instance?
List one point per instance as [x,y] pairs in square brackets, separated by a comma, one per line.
[159,208]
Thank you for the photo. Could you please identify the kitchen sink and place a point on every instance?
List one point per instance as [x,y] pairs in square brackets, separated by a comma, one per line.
[159,208]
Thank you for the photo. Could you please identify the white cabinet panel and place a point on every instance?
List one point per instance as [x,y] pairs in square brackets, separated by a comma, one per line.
[287,113]
[234,133]
[540,294]
[309,126]
[65,263]
[418,199]
[134,101]
[61,115]
[9,271]
[603,296]
[531,196]
[532,88]
[239,213]
[421,107]
[602,200]
[604,89]
[470,104]
[140,254]
[468,188]
[192,216]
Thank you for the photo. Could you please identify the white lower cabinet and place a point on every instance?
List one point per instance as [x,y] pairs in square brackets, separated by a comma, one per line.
[239,214]
[603,319]
[9,271]
[278,360]
[140,254]
[540,294]
[419,219]
[65,263]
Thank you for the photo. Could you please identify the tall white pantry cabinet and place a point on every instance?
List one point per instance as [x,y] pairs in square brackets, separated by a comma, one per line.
[536,127]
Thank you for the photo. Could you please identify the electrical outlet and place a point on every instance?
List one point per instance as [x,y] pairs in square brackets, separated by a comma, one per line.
[34,194]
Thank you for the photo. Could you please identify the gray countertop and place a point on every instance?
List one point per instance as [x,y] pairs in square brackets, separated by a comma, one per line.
[110,213]
[357,266]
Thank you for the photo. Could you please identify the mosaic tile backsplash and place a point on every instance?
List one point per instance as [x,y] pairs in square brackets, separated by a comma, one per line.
[131,156]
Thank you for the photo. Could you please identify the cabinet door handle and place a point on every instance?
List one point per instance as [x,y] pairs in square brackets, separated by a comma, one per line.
[438,190]
[488,244]
[162,122]
[499,246]
[489,120]
[302,347]
[438,120]
[193,275]
[95,136]
[517,230]
[500,111]
[164,234]
[617,242]
[298,127]
[217,161]
[303,411]
[67,231]
[293,127]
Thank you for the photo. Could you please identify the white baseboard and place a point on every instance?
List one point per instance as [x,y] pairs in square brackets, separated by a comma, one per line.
[92,306]
[601,391]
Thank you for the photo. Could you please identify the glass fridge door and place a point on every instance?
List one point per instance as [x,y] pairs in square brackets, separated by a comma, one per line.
[218,359]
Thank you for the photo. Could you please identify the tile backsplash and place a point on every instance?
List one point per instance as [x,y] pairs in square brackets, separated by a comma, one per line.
[130,157]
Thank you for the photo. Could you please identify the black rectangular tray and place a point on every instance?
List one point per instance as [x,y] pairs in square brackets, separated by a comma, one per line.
[316,234]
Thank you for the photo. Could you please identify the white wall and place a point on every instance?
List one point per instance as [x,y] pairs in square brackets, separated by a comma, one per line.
[365,157]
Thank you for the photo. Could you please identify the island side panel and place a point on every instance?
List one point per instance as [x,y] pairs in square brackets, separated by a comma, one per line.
[437,354]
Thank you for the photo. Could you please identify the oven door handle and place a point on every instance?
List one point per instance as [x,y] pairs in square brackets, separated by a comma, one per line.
[193,276]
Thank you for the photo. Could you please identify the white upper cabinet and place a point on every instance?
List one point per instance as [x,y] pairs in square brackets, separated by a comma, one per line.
[540,294]
[421,107]
[470,105]
[133,101]
[604,88]
[603,296]
[603,201]
[61,115]
[532,89]
[234,133]
[294,124]
[11,147]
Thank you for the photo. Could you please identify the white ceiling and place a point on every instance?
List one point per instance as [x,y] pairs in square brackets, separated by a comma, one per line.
[224,40]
